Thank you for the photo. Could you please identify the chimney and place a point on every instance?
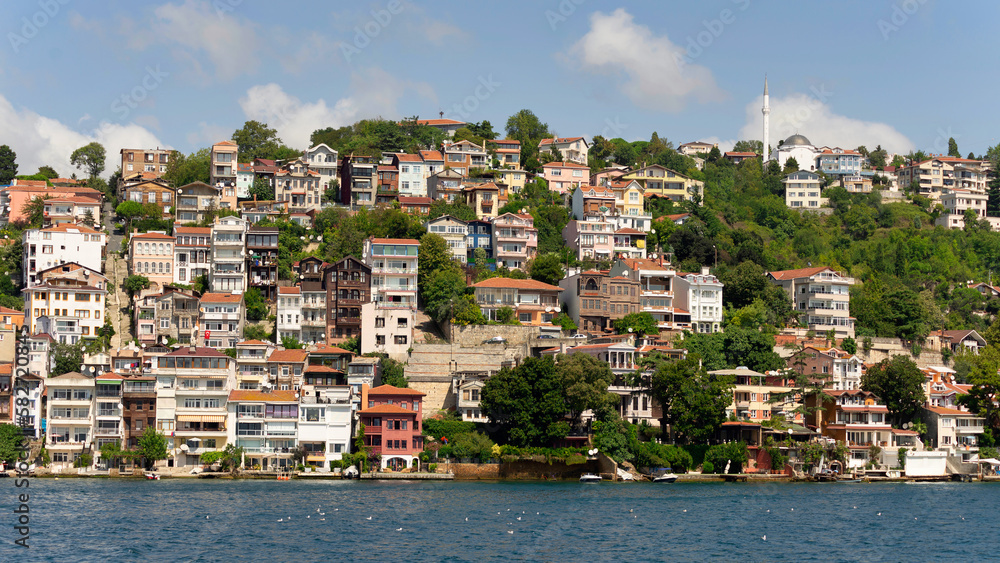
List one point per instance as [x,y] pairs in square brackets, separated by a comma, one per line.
[704,270]
[192,349]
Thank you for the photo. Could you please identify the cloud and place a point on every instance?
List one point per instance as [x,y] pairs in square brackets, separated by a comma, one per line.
[42,140]
[654,77]
[372,93]
[209,134]
[810,116]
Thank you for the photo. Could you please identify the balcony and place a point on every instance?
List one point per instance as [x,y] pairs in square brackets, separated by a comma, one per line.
[403,271]
[108,432]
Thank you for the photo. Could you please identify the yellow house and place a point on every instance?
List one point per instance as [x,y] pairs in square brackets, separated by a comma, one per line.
[661,181]
[628,197]
[513,178]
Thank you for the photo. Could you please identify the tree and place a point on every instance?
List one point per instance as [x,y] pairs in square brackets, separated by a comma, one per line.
[130,211]
[547,268]
[849,345]
[985,380]
[694,402]
[749,146]
[526,404]
[442,291]
[69,358]
[524,126]
[751,347]
[256,305]
[261,189]
[639,323]
[90,158]
[34,211]
[8,165]
[433,255]
[791,165]
[254,332]
[135,283]
[152,446]
[11,439]
[183,170]
[898,382]
[47,171]
[953,148]
[291,343]
[585,381]
[88,218]
[393,372]
[255,140]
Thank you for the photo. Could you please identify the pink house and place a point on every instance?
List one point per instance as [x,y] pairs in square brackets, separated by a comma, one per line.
[564,176]
[392,417]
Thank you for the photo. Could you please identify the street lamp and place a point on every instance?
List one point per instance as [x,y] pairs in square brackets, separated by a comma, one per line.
[716,249]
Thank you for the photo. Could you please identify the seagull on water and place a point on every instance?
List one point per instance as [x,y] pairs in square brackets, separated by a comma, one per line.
[879,514]
[322,519]
[281,519]
[206,517]
[685,510]
[510,531]
[764,537]
[369,518]
[630,510]
[399,529]
[518,517]
[466,518]
[308,515]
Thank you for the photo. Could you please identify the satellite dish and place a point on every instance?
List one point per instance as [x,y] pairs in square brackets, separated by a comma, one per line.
[120,406]
[184,447]
[296,395]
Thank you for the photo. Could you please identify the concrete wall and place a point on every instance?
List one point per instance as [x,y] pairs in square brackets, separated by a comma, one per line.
[926,464]
[531,470]
[439,395]
[474,335]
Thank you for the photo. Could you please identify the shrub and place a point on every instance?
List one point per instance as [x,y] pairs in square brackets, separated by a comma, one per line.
[433,467]
[85,460]
[707,467]
[735,454]
[438,427]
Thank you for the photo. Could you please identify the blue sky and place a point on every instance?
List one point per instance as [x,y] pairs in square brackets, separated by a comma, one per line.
[184,74]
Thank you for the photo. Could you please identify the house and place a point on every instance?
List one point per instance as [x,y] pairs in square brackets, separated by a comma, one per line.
[323,160]
[11,318]
[265,424]
[960,340]
[251,363]
[515,240]
[701,295]
[956,202]
[988,291]
[419,205]
[563,176]
[222,172]
[931,177]
[221,318]
[532,302]
[146,163]
[298,186]
[262,260]
[841,163]
[41,358]
[286,367]
[244,180]
[756,396]
[463,156]
[391,312]
[660,181]
[454,232]
[833,367]
[629,200]
[572,149]
[363,371]
[857,184]
[20,192]
[348,288]
[63,210]
[315,300]
[737,158]
[192,388]
[855,417]
[635,403]
[34,385]
[446,126]
[480,235]
[151,255]
[506,153]
[591,238]
[514,179]
[357,180]
[108,411]
[289,321]
[193,252]
[821,296]
[228,272]
[196,201]
[60,244]
[433,162]
[468,389]
[69,418]
[629,243]
[67,303]
[387,191]
[166,314]
[393,419]
[696,147]
[803,191]
[325,423]
[256,211]
[138,399]
[592,200]
[151,191]
[446,185]
[953,430]
[412,181]
[656,290]
[484,199]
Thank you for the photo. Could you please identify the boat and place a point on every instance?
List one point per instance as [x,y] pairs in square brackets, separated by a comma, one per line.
[590,478]
[665,478]
[152,476]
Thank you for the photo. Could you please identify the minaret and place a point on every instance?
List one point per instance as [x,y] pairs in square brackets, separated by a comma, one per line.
[766,110]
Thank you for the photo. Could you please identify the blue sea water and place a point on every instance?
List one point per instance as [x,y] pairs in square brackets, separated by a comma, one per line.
[212,520]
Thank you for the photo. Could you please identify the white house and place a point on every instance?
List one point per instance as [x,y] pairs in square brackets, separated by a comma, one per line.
[323,160]
[325,423]
[68,242]
[70,418]
[289,322]
[701,295]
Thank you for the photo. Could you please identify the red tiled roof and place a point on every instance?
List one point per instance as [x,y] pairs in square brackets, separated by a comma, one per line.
[734,153]
[559,140]
[277,396]
[288,356]
[510,283]
[564,164]
[221,298]
[390,390]
[629,231]
[388,409]
[193,230]
[159,236]
[252,343]
[947,411]
[230,143]
[433,122]
[321,369]
[66,227]
[289,290]
[408,200]
[406,157]
[800,273]
[395,241]
[331,350]
[431,155]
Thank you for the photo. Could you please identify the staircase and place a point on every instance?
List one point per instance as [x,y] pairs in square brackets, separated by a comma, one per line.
[431,366]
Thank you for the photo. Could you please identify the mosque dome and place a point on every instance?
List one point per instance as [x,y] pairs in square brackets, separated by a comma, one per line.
[796,140]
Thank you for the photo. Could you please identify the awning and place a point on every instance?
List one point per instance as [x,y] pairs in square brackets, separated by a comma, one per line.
[315,458]
[200,418]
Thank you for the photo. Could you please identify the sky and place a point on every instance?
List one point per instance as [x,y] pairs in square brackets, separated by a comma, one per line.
[905,75]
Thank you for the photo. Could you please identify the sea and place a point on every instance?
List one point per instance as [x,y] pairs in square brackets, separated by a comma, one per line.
[267,521]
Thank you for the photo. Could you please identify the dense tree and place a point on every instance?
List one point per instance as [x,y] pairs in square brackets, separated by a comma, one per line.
[709,346]
[8,165]
[152,446]
[48,172]
[11,439]
[135,283]
[526,127]
[526,404]
[985,380]
[899,383]
[261,189]
[183,170]
[130,211]
[69,358]
[256,140]
[547,268]
[749,146]
[694,402]
[392,372]
[953,148]
[585,381]
[34,211]
[639,323]
[255,305]
[751,347]
[458,209]
[433,255]
[443,291]
[89,158]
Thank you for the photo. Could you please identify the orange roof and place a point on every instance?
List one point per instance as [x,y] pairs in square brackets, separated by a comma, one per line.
[226,143]
[390,390]
[431,155]
[800,273]
[629,231]
[67,227]
[388,409]
[433,122]
[221,298]
[152,236]
[395,241]
[558,140]
[564,164]
[947,411]
[193,230]
[252,343]
[289,290]
[407,200]
[9,311]
[288,356]
[406,157]
[506,141]
[734,153]
[331,350]
[321,369]
[510,283]
[645,264]
[277,396]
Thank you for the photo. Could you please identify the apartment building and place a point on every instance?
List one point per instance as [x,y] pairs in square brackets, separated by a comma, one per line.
[265,424]
[192,253]
[660,181]
[195,201]
[322,160]
[433,162]
[256,211]
[147,163]
[513,179]
[222,172]
[755,396]
[71,210]
[821,296]
[656,291]
[313,284]
[229,259]
[221,318]
[262,260]
[388,319]
[463,156]
[348,286]
[326,421]
[485,199]
[479,235]
[563,177]
[52,246]
[387,189]
[857,418]
[167,314]
[594,299]
[138,406]
[700,295]
[298,185]
[515,240]
[533,302]
[507,153]
[412,181]
[69,418]
[108,410]
[957,201]
[803,191]
[152,255]
[251,363]
[933,176]
[357,180]
[835,368]
[629,243]
[838,162]
[67,303]
[285,368]
[393,419]
[289,321]
[572,149]
[592,201]
[446,185]
[454,232]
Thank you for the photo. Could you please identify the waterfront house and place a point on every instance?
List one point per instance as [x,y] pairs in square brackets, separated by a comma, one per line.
[265,424]
[70,418]
[326,418]
[393,419]
[855,417]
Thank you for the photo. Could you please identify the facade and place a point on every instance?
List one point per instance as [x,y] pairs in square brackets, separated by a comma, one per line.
[151,191]
[192,253]
[454,232]
[663,182]
[312,283]
[534,303]
[418,205]
[222,172]
[228,272]
[833,367]
[953,430]
[387,191]
[839,163]
[67,303]
[754,394]
[803,191]
[147,163]
[289,321]
[445,184]
[932,177]
[71,210]
[251,364]
[108,411]
[393,419]
[479,235]
[694,147]
[656,291]
[594,300]
[956,202]
[348,287]
[262,260]
[463,156]
[195,201]
[221,320]
[152,255]
[69,417]
[799,148]
[515,240]
[389,318]
[564,177]
[165,314]
[299,186]
[700,295]
[265,424]
[572,149]
[138,406]
[257,211]
[52,246]
[507,153]
[412,182]
[323,160]
[821,296]
[357,180]
[244,179]
[855,417]
[285,368]
[514,179]
[484,199]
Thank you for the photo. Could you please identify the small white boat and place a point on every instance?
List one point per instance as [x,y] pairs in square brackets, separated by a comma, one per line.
[665,478]
[590,478]
[152,476]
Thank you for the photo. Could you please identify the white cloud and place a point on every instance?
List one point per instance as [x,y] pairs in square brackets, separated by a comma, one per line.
[372,93]
[40,140]
[809,116]
[209,134]
[656,73]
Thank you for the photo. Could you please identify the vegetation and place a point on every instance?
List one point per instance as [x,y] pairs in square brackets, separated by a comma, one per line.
[694,402]
[392,372]
[733,455]
[152,446]
[256,305]
[89,158]
[898,382]
[8,165]
[11,439]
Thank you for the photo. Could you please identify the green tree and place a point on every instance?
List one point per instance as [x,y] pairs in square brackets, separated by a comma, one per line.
[985,380]
[261,189]
[526,405]
[585,381]
[393,372]
[130,211]
[254,332]
[442,291]
[749,146]
[69,358]
[291,343]
[694,402]
[524,126]
[152,446]
[135,283]
[467,312]
[48,171]
[547,268]
[953,148]
[256,140]
[34,211]
[751,347]
[733,455]
[90,158]
[11,439]
[639,323]
[791,165]
[849,345]
[256,305]
[8,165]
[899,383]
[433,255]
[183,170]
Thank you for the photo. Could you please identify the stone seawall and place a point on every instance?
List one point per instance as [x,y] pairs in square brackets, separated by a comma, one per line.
[519,470]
